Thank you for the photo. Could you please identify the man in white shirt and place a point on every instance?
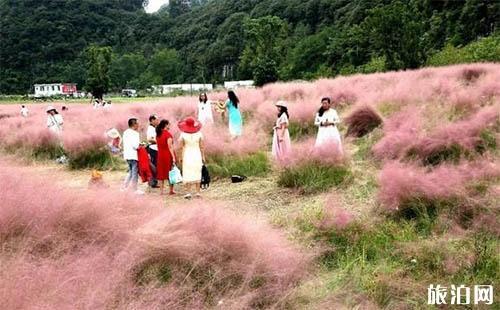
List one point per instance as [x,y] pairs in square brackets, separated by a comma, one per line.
[152,148]
[131,142]
[24,111]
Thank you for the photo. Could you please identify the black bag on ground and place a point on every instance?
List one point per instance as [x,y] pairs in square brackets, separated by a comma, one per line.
[205,177]
[238,178]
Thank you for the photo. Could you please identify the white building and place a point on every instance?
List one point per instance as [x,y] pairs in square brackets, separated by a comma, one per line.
[54,89]
[238,84]
[167,89]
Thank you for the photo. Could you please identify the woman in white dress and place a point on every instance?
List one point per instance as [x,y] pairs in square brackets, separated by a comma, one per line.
[205,115]
[192,155]
[54,120]
[327,120]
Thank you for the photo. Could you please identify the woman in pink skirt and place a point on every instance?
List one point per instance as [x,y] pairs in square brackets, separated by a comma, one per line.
[281,137]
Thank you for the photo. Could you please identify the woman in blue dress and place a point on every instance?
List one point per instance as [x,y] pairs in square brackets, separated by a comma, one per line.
[234,114]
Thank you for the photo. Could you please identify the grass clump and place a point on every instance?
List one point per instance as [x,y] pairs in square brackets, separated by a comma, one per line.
[301,130]
[95,158]
[248,165]
[314,177]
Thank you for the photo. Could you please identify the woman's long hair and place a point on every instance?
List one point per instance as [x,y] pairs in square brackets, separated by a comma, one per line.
[206,98]
[233,98]
[161,126]
[321,110]
[283,110]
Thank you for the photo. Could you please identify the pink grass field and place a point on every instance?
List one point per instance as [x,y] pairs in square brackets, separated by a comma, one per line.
[68,249]
[453,87]
[61,249]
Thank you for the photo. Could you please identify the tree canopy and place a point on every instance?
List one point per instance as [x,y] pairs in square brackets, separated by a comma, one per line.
[216,40]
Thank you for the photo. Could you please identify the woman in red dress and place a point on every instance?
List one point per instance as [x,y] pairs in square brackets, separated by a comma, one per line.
[166,156]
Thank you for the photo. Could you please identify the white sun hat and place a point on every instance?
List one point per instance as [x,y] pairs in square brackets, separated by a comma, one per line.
[281,103]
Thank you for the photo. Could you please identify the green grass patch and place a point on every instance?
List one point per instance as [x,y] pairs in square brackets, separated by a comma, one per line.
[94,158]
[249,165]
[392,260]
[155,270]
[365,144]
[488,142]
[313,177]
[301,130]
[388,108]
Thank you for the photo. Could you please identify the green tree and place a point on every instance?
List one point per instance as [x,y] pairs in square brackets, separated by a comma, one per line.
[165,66]
[126,70]
[394,31]
[263,47]
[98,60]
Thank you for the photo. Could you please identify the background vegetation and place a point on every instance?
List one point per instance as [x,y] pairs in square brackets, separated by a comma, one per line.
[216,40]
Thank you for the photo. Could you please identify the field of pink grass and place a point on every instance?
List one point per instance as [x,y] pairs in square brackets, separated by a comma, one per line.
[463,87]
[62,249]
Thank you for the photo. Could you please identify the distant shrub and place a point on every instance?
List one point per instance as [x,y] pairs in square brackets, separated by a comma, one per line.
[483,50]
[376,64]
[362,121]
[247,165]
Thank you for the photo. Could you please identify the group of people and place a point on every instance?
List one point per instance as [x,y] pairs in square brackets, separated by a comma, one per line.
[100,103]
[191,156]
[160,145]
[231,107]
[162,155]
[326,119]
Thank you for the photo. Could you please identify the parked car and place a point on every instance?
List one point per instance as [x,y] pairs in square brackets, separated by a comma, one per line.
[129,93]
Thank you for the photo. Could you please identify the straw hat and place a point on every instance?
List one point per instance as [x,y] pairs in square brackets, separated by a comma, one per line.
[189,125]
[50,108]
[281,103]
[113,133]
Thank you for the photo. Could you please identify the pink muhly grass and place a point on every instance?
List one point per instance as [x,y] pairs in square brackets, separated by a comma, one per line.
[400,132]
[362,121]
[400,182]
[217,140]
[334,216]
[465,134]
[98,249]
[304,152]
[422,87]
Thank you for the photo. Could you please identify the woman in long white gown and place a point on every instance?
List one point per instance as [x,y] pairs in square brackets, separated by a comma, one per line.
[205,115]
[327,120]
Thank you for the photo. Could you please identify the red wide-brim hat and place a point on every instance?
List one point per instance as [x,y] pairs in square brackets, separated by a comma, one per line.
[189,125]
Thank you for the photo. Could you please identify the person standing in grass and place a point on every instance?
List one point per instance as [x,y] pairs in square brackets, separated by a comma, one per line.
[281,137]
[234,114]
[54,120]
[115,143]
[327,120]
[205,115]
[166,155]
[192,155]
[131,142]
[152,148]
[24,111]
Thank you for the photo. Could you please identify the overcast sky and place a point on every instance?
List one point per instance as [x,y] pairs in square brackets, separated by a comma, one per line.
[154,5]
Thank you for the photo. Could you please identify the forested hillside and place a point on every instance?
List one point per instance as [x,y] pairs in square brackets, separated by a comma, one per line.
[216,40]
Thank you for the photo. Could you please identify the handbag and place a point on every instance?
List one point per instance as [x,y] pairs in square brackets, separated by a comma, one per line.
[175,176]
[238,178]
[205,177]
